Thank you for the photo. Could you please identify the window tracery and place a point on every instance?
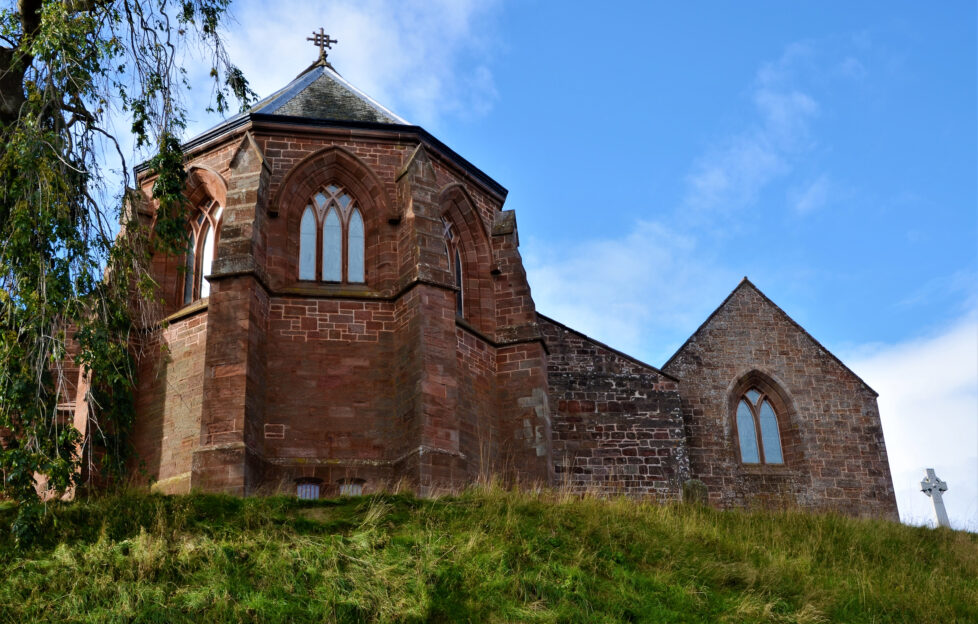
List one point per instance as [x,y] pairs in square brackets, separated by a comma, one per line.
[202,237]
[757,429]
[454,263]
[331,224]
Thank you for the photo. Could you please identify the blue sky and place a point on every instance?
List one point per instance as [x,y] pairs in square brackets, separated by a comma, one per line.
[655,153]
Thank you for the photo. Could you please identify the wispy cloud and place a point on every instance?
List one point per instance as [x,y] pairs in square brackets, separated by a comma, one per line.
[640,293]
[646,290]
[731,175]
[810,197]
[424,59]
[853,68]
[962,284]
[929,406]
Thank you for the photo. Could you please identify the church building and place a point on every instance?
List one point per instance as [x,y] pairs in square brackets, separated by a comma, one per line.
[352,314]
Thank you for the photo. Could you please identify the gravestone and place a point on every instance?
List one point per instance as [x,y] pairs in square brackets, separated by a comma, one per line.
[934,487]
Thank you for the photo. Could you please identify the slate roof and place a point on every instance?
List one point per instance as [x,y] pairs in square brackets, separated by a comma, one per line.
[319,96]
[321,93]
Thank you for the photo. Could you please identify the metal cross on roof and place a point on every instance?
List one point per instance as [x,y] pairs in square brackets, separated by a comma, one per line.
[322,40]
[935,487]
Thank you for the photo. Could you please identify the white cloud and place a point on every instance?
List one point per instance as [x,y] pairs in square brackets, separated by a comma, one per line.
[852,68]
[929,407]
[731,176]
[640,293]
[645,291]
[962,283]
[811,197]
[423,59]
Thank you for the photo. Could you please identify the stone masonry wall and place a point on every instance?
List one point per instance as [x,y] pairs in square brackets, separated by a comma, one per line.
[617,425]
[835,457]
[168,403]
[373,381]
[331,403]
[478,434]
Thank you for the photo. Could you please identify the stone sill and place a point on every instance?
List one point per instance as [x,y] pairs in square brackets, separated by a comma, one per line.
[766,470]
[189,310]
[321,289]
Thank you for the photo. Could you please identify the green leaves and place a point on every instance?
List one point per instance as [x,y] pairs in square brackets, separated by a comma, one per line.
[71,284]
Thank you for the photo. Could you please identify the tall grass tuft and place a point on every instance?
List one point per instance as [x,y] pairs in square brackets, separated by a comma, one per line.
[483,555]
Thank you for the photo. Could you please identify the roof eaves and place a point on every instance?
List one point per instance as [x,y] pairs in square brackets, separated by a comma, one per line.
[226,127]
[420,133]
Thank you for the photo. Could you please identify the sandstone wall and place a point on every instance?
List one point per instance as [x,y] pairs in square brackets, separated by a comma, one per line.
[617,425]
[834,453]
[168,403]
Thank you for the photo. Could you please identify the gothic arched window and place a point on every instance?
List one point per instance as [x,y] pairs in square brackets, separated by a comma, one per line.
[757,429]
[454,262]
[331,223]
[202,238]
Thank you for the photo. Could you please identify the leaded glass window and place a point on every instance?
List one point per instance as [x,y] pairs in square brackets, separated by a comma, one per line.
[202,237]
[332,248]
[757,429]
[332,230]
[307,245]
[354,265]
[454,263]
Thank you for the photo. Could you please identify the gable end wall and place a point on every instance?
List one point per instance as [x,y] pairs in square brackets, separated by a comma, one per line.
[838,460]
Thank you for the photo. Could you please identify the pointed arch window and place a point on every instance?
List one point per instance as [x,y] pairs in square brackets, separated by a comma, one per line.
[202,238]
[454,263]
[331,238]
[307,245]
[757,429]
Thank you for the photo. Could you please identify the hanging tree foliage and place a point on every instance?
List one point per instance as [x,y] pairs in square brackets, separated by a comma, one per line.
[68,68]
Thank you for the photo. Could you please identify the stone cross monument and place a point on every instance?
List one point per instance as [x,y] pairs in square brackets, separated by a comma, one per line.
[933,487]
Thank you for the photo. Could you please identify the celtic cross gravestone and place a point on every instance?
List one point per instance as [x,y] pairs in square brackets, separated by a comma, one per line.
[934,487]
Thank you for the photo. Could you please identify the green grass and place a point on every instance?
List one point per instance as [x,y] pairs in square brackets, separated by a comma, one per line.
[484,556]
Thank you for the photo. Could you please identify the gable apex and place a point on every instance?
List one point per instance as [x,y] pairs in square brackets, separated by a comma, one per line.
[746,284]
[321,93]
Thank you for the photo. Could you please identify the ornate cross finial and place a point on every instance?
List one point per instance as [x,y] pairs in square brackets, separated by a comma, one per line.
[322,40]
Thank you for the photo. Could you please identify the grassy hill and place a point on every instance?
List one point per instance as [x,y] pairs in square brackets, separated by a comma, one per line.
[484,556]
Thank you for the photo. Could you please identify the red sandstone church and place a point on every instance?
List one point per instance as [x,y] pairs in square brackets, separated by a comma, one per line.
[352,312]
